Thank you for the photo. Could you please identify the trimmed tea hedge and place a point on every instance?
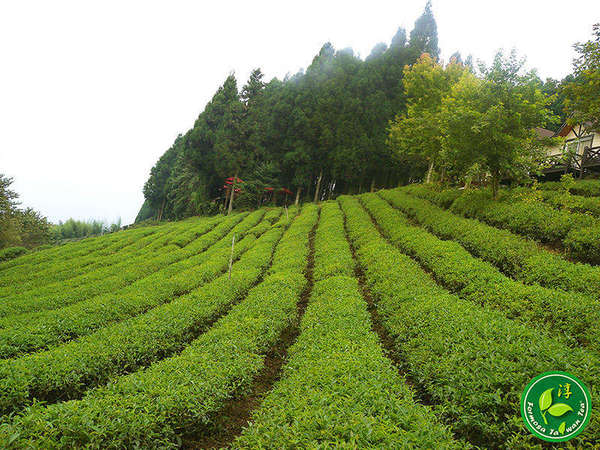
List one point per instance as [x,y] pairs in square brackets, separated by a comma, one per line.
[578,233]
[153,407]
[575,203]
[513,254]
[338,389]
[586,188]
[36,331]
[574,316]
[106,280]
[69,251]
[11,252]
[332,251]
[67,371]
[471,363]
[79,266]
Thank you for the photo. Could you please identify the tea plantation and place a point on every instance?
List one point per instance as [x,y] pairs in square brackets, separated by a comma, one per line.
[403,318]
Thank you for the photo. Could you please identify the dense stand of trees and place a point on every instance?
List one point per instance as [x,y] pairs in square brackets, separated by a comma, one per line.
[347,125]
[582,92]
[480,124]
[19,227]
[468,123]
[27,228]
[317,133]
[76,229]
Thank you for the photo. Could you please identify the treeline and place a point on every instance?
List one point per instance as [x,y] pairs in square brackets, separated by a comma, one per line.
[76,229]
[320,130]
[25,228]
[325,131]
[472,126]
[481,126]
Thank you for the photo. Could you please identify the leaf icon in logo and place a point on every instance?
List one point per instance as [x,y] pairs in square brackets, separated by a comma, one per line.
[559,409]
[561,428]
[546,399]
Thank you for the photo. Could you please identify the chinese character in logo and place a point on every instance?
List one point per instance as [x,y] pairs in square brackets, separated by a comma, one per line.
[564,390]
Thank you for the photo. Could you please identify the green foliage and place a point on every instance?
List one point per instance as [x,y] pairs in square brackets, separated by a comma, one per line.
[538,221]
[166,276]
[140,337]
[582,243]
[585,188]
[417,134]
[151,407]
[11,252]
[19,227]
[337,374]
[490,121]
[582,100]
[569,314]
[332,251]
[68,370]
[514,255]
[423,38]
[329,121]
[570,202]
[470,362]
[56,291]
[554,90]
[567,182]
[73,229]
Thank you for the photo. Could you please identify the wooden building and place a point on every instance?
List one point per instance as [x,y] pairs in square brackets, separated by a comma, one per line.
[579,154]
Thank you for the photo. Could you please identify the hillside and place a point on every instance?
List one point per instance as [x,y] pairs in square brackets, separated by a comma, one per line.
[405,318]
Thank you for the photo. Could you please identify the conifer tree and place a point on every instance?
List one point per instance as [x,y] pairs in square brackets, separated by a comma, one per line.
[423,37]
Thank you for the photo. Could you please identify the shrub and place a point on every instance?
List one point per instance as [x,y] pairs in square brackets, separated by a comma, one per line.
[152,407]
[11,253]
[573,317]
[471,363]
[511,253]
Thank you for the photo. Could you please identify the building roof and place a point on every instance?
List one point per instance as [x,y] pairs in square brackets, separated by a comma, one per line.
[566,128]
[544,133]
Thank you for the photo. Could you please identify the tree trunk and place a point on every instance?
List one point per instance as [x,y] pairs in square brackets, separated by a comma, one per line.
[162,207]
[298,196]
[429,172]
[318,186]
[495,186]
[226,198]
[232,194]
[373,185]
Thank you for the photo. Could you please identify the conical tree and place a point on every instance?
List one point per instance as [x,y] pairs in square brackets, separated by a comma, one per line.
[423,37]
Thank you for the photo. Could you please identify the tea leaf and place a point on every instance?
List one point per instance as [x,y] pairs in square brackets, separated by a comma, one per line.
[546,399]
[559,409]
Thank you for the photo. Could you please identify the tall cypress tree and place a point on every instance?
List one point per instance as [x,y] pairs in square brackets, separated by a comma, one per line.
[423,37]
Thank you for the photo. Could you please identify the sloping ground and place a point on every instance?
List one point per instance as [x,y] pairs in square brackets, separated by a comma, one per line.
[382,320]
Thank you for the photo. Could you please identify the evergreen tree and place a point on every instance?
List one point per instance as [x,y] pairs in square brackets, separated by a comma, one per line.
[423,37]
[325,126]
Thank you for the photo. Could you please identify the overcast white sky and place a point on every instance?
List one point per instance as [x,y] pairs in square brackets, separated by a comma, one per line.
[93,92]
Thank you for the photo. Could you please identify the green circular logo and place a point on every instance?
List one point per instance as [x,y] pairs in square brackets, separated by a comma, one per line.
[556,406]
